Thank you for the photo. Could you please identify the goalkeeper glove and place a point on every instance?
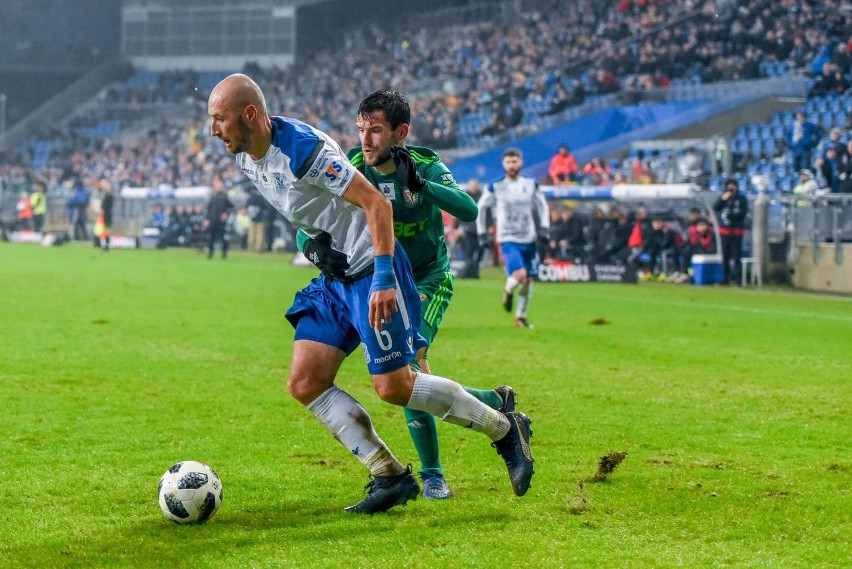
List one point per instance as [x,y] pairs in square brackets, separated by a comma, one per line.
[485,241]
[333,264]
[406,169]
[544,236]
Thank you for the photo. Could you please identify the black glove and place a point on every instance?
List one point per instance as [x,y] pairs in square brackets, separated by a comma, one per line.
[544,236]
[406,170]
[333,264]
[485,241]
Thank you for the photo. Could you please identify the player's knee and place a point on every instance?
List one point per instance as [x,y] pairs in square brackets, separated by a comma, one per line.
[305,389]
[395,387]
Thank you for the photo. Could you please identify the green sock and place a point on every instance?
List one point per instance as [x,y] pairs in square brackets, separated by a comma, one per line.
[424,433]
[487,396]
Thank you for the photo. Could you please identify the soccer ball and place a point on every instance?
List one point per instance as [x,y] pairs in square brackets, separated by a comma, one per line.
[190,492]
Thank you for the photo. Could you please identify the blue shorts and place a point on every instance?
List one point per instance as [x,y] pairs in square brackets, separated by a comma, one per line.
[520,256]
[337,314]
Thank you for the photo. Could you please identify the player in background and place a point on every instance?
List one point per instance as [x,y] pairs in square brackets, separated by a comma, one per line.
[305,175]
[419,186]
[515,198]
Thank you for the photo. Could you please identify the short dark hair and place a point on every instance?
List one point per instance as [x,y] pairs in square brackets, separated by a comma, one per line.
[394,104]
[732,182]
[512,151]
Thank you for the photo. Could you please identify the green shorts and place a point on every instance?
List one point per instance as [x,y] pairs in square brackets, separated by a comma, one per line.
[436,290]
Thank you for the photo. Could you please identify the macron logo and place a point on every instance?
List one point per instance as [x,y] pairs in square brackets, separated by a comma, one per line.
[390,356]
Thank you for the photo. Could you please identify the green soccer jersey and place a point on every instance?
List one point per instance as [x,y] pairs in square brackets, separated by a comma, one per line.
[418,223]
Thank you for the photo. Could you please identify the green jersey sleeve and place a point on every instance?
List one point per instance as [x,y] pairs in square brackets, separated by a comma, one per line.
[301,239]
[441,188]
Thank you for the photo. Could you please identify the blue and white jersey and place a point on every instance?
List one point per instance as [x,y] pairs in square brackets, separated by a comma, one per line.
[514,202]
[303,175]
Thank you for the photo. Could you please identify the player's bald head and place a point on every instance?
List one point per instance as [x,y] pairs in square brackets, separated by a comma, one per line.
[237,91]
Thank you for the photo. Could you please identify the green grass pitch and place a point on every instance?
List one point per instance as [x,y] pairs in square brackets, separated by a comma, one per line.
[733,407]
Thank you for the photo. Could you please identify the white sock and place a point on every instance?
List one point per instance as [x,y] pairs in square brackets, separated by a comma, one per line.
[511,285]
[449,401]
[351,425]
[524,296]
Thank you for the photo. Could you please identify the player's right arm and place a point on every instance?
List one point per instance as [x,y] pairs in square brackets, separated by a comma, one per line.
[487,200]
[380,222]
[442,190]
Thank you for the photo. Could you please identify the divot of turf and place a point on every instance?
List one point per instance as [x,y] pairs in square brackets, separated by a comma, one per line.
[606,465]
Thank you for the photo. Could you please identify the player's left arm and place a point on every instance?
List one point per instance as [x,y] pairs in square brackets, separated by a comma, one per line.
[442,190]
[380,222]
[542,209]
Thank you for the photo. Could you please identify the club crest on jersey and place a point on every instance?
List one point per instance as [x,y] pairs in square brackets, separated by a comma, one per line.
[447,178]
[423,298]
[279,179]
[411,198]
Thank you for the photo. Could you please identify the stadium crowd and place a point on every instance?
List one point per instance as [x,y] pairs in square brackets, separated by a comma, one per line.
[459,71]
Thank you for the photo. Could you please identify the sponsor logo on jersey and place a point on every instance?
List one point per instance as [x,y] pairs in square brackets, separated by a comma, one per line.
[403,229]
[333,171]
[391,356]
[388,191]
[319,164]
[250,174]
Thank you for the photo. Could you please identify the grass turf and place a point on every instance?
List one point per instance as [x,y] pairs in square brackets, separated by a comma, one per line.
[733,407]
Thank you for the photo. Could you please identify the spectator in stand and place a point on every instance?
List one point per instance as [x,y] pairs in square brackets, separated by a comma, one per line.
[822,84]
[827,173]
[563,166]
[689,166]
[833,141]
[606,82]
[731,208]
[596,172]
[640,169]
[497,123]
[802,138]
[807,186]
[838,84]
[562,98]
[845,170]
[515,115]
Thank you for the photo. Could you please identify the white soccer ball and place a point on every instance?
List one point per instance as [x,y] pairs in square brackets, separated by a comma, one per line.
[190,492]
